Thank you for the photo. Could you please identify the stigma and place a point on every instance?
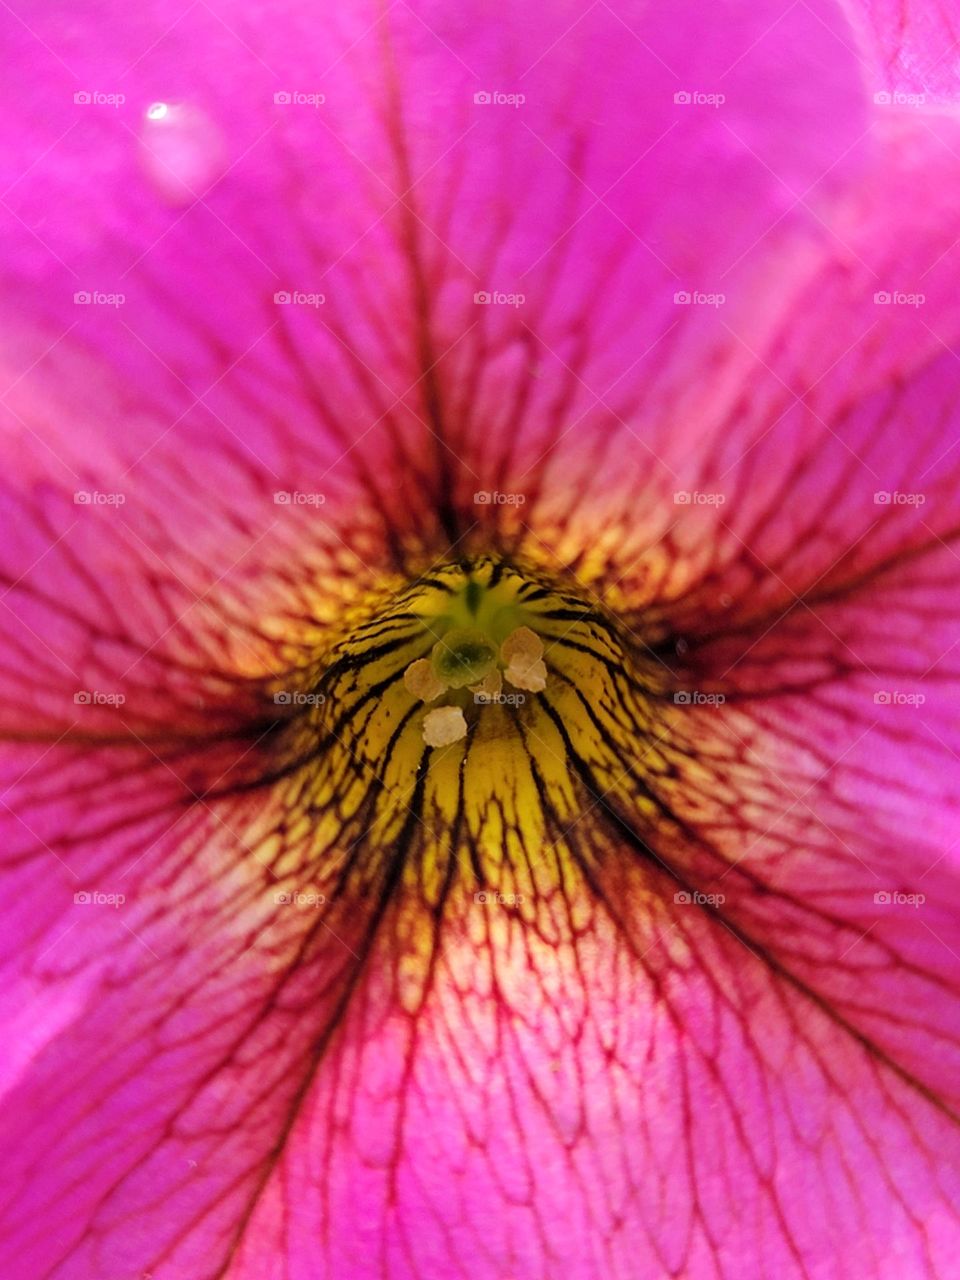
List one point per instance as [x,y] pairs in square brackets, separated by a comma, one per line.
[478,646]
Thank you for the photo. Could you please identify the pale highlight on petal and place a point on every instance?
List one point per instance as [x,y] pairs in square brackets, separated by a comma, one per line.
[588,371]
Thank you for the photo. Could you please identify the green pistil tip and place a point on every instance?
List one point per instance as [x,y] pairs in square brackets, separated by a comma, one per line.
[463,657]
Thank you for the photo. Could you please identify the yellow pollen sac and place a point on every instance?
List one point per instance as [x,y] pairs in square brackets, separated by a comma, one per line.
[443,726]
[422,681]
[522,652]
[521,648]
[532,677]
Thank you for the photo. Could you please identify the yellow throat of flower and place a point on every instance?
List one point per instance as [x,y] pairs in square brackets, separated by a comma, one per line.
[474,715]
[481,640]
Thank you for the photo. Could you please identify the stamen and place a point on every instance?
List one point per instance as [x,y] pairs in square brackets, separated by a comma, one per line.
[422,681]
[533,677]
[521,647]
[522,651]
[443,726]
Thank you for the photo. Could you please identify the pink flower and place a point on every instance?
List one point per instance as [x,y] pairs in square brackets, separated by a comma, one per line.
[479,642]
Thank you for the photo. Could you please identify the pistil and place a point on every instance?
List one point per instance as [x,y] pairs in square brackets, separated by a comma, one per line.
[470,658]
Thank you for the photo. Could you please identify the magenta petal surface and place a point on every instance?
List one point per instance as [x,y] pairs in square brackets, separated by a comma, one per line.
[911,51]
[659,271]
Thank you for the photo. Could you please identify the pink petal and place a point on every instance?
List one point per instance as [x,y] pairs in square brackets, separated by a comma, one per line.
[912,50]
[639,1089]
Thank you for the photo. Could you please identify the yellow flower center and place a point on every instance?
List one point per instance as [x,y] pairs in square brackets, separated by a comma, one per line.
[468,721]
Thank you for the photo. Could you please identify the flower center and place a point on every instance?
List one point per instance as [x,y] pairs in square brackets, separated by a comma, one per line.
[463,658]
[475,657]
[481,638]
[475,714]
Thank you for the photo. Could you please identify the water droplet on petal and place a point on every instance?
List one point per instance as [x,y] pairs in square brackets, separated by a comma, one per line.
[181,149]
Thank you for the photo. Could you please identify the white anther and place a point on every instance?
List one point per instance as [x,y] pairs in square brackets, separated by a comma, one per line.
[532,676]
[422,681]
[443,726]
[521,648]
[522,651]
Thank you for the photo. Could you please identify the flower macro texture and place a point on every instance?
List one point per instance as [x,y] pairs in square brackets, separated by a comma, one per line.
[479,640]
